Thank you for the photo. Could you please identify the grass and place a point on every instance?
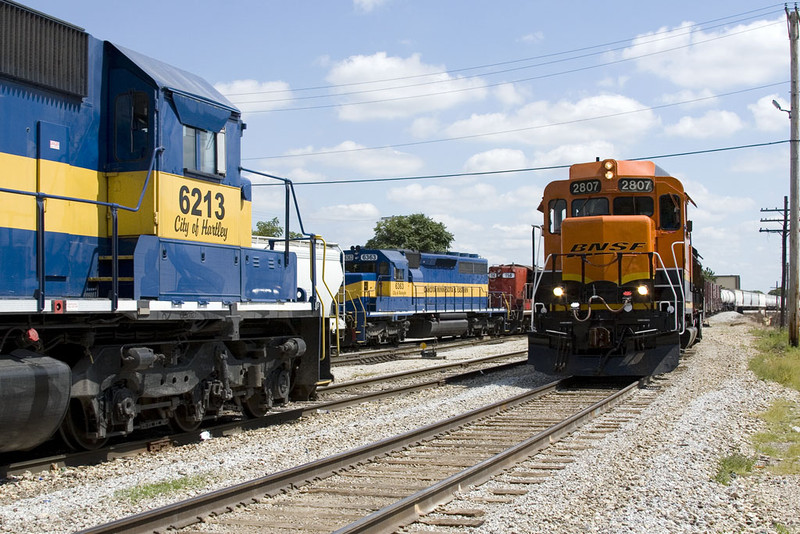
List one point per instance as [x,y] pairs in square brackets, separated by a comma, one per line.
[781,440]
[776,360]
[149,491]
[735,464]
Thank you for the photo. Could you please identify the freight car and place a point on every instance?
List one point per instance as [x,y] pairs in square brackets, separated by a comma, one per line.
[616,295]
[130,295]
[511,288]
[394,294]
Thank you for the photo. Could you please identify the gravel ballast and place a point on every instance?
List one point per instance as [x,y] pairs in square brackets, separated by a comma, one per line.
[655,474]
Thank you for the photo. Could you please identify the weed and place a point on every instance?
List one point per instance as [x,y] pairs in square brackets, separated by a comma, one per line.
[735,464]
[777,360]
[149,491]
[781,439]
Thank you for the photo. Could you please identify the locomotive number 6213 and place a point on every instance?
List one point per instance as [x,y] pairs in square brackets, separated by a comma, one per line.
[191,202]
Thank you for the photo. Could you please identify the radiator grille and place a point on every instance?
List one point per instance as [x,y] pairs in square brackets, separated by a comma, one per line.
[41,50]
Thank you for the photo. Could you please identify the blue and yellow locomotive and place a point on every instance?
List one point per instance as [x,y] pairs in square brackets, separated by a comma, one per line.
[129,294]
[394,294]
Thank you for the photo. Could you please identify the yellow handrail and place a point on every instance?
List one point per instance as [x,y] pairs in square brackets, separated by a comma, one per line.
[325,283]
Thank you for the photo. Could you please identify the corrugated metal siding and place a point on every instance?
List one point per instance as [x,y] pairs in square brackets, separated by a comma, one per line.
[42,50]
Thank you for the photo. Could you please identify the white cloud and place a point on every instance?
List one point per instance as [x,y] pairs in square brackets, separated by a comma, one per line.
[568,154]
[714,123]
[746,54]
[497,159]
[509,94]
[252,95]
[411,92]
[715,206]
[767,117]
[534,37]
[349,212]
[367,5]
[545,123]
[614,83]
[703,97]
[424,127]
[349,155]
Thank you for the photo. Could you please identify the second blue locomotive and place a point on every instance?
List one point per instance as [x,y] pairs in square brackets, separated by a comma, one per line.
[394,294]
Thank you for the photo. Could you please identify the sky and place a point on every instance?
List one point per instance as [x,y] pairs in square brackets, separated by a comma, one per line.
[344,90]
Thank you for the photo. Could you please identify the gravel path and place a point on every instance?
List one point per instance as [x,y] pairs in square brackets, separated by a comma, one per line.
[654,475]
[75,498]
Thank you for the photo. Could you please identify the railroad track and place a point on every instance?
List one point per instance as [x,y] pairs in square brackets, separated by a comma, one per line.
[368,356]
[382,486]
[333,397]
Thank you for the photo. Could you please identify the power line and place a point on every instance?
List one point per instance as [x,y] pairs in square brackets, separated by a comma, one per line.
[524,169]
[497,84]
[515,130]
[667,34]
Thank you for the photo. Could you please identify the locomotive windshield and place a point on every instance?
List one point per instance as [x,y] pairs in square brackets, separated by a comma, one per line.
[633,206]
[587,207]
[360,267]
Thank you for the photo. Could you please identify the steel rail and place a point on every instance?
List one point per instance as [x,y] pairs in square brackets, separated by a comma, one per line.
[423,371]
[412,507]
[184,513]
[279,416]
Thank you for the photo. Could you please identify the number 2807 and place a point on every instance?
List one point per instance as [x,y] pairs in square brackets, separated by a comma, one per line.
[194,202]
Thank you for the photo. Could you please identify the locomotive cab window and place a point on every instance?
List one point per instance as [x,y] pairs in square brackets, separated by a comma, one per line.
[633,206]
[588,207]
[360,267]
[131,126]
[204,152]
[556,214]
[669,211]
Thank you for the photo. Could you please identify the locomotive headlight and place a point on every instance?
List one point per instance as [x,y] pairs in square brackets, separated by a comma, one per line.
[558,291]
[608,165]
[575,305]
[642,290]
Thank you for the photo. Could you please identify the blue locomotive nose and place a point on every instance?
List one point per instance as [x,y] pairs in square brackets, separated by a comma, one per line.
[34,394]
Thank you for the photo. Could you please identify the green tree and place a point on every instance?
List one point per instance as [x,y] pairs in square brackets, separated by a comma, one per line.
[709,275]
[413,232]
[273,228]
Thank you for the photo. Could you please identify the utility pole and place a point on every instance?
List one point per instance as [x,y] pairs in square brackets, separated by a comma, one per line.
[794,170]
[784,232]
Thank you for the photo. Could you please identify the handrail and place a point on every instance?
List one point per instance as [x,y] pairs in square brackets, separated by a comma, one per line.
[40,252]
[538,276]
[333,298]
[683,291]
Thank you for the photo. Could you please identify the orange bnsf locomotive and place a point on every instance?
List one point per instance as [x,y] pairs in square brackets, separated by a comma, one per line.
[617,292]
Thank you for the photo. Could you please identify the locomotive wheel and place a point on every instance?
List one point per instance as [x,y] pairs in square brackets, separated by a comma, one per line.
[258,404]
[74,430]
[188,416]
[183,421]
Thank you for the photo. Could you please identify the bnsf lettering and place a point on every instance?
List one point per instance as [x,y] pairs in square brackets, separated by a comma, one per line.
[618,246]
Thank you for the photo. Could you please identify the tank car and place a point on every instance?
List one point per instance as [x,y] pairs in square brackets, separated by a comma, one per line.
[511,288]
[616,295]
[130,295]
[394,294]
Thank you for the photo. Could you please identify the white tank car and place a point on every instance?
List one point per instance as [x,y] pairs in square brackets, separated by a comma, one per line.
[329,270]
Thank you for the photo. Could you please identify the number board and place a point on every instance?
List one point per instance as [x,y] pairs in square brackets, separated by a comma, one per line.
[585,187]
[369,257]
[198,210]
[635,185]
